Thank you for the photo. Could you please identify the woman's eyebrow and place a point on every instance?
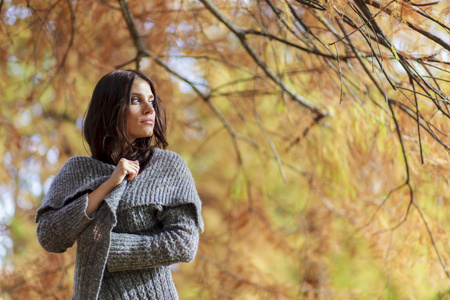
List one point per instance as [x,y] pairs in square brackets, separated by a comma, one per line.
[152,97]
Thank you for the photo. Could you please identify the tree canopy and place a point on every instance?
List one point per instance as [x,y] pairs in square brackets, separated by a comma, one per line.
[317,132]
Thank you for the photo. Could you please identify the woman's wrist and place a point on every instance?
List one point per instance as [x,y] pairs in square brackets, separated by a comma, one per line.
[109,185]
[96,197]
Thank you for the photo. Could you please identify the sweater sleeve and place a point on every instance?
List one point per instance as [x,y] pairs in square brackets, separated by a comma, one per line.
[176,242]
[58,229]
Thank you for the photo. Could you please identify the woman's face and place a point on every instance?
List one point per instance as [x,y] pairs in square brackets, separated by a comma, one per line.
[141,114]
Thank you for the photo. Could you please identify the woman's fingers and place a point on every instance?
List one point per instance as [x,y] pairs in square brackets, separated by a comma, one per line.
[130,168]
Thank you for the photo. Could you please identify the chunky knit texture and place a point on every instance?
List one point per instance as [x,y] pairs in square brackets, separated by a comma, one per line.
[125,248]
[144,242]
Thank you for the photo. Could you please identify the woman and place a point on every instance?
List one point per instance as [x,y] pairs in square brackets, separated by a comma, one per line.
[132,208]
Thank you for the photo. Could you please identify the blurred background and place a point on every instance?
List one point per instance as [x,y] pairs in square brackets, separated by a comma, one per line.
[316,131]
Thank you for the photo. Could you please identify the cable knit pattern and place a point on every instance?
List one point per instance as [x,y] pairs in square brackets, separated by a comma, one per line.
[125,248]
[148,240]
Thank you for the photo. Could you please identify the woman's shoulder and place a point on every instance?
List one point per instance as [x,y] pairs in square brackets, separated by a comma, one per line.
[75,162]
[168,155]
[80,163]
[80,160]
[170,158]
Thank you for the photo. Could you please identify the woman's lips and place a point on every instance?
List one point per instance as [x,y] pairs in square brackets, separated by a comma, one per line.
[148,121]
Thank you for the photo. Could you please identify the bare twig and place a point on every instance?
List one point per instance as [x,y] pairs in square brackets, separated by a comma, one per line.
[240,34]
[415,27]
[286,42]
[340,73]
[418,121]
[412,201]
[269,140]
[369,20]
[379,207]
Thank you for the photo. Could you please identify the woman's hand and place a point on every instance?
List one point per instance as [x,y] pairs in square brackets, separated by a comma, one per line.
[125,169]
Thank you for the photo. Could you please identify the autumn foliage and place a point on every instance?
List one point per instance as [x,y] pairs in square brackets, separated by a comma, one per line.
[316,131]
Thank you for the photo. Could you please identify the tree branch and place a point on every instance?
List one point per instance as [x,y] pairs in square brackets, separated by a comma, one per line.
[415,27]
[240,34]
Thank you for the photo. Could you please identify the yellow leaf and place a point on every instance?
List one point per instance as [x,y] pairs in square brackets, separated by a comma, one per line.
[395,52]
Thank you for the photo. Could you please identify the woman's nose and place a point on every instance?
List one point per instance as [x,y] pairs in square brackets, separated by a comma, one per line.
[148,108]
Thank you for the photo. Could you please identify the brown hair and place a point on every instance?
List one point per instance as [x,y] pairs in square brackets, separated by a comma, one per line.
[105,120]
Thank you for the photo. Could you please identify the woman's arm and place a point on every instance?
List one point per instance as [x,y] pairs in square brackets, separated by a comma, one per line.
[58,229]
[124,169]
[176,242]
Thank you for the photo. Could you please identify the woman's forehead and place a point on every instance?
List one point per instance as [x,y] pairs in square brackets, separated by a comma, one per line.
[140,86]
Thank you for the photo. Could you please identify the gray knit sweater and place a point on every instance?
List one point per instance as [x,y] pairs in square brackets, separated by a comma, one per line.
[125,248]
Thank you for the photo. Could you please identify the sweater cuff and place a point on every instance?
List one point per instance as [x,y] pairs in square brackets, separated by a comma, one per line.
[58,229]
[76,211]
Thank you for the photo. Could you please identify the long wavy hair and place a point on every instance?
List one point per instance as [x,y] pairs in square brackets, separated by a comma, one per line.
[105,120]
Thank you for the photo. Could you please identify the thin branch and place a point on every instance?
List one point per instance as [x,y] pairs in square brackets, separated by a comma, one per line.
[423,84]
[415,27]
[380,37]
[363,65]
[418,121]
[399,135]
[433,99]
[435,80]
[369,20]
[307,31]
[381,90]
[412,202]
[427,128]
[340,73]
[379,207]
[286,42]
[433,241]
[62,63]
[269,140]
[240,34]
[126,63]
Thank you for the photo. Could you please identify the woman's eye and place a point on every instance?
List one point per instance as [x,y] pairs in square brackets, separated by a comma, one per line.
[135,100]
